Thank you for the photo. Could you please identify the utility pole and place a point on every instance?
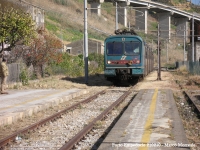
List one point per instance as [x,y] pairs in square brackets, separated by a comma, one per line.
[159,50]
[167,50]
[192,37]
[116,17]
[85,42]
[184,44]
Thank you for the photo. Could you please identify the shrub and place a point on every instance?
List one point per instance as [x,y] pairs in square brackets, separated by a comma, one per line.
[74,65]
[24,77]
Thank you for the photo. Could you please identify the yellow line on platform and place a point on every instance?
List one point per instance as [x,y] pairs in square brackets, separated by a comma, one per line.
[30,100]
[148,125]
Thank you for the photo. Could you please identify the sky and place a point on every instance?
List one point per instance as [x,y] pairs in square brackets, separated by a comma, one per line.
[197,2]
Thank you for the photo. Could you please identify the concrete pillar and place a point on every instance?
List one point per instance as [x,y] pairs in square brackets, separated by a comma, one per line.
[141,19]
[182,23]
[122,13]
[197,51]
[96,6]
[165,25]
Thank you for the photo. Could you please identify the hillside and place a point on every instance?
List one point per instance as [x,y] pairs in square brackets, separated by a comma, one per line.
[64,18]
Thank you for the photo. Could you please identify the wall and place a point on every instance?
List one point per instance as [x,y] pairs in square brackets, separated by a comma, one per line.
[196,51]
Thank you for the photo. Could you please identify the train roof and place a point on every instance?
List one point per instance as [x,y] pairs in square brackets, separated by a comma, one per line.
[124,33]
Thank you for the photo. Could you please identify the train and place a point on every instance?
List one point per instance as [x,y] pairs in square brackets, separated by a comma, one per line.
[126,57]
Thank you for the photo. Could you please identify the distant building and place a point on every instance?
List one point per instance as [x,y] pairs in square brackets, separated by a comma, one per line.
[196,52]
[196,42]
[76,48]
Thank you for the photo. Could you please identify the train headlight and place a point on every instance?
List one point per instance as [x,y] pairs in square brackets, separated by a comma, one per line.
[109,62]
[137,61]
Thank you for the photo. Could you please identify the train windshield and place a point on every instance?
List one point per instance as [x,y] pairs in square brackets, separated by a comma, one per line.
[114,48]
[120,48]
[132,48]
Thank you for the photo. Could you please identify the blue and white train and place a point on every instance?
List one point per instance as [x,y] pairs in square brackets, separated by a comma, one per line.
[126,57]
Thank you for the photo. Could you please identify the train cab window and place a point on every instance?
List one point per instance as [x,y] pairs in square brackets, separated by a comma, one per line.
[132,48]
[115,48]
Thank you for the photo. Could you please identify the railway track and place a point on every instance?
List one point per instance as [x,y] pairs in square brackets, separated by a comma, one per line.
[188,102]
[33,136]
[14,136]
[192,97]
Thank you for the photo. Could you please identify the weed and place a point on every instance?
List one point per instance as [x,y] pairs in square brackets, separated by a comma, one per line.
[171,135]
[189,82]
[124,134]
[99,124]
[101,109]
[80,106]
[16,86]
[24,77]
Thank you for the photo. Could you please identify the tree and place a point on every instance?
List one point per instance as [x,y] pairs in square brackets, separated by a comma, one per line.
[16,27]
[43,49]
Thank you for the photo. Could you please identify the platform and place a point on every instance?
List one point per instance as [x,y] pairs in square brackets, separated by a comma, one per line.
[150,122]
[21,103]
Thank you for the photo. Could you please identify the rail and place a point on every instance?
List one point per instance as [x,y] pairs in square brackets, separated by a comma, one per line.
[69,145]
[10,138]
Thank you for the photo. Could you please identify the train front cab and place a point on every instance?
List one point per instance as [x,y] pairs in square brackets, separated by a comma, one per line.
[123,55]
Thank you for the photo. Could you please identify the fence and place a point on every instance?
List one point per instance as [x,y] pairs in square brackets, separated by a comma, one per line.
[192,67]
[14,72]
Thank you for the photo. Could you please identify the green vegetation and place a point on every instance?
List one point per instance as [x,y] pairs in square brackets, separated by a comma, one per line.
[80,1]
[153,26]
[16,26]
[70,34]
[93,35]
[67,34]
[24,77]
[73,66]
[179,1]
[173,27]
[65,2]
[61,2]
[108,7]
[54,23]
[99,59]
[170,65]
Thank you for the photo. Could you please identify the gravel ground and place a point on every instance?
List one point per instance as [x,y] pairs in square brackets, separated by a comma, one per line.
[55,134]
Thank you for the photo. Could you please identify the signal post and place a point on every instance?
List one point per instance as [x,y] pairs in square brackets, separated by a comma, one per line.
[158,52]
